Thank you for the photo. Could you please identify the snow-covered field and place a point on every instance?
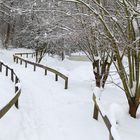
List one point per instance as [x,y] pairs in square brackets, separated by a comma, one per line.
[49,112]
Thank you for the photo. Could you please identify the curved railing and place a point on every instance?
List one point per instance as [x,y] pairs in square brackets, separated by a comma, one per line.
[14,101]
[105,118]
[57,73]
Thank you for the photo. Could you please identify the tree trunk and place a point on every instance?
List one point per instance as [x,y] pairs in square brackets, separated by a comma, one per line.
[133,106]
[95,65]
[97,79]
[63,55]
[7,36]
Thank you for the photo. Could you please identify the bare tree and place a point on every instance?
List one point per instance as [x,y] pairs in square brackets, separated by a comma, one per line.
[122,28]
[87,36]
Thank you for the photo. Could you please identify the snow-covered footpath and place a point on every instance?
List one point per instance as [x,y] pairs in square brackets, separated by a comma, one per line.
[47,111]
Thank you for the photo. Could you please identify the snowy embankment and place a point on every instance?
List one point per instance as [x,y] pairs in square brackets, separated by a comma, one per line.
[113,104]
[46,110]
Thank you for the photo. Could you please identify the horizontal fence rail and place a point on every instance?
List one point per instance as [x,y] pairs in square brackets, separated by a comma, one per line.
[17,59]
[14,101]
[33,54]
[105,118]
[26,54]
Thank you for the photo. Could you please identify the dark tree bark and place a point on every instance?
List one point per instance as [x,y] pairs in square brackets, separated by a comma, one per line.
[133,106]
[6,43]
[101,73]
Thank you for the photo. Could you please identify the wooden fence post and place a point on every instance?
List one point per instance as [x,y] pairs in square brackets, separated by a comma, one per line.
[20,61]
[56,77]
[34,67]
[0,66]
[36,56]
[45,71]
[16,89]
[16,60]
[12,74]
[96,112]
[6,72]
[66,83]
[25,64]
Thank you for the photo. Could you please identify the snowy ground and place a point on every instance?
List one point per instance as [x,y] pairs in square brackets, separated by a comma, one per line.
[48,111]
[6,93]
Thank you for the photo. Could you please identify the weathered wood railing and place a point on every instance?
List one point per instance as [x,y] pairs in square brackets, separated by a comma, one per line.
[14,101]
[26,54]
[34,54]
[17,59]
[105,118]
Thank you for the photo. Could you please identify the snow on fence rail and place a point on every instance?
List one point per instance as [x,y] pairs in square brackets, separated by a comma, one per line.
[16,58]
[34,54]
[14,101]
[97,110]
[108,117]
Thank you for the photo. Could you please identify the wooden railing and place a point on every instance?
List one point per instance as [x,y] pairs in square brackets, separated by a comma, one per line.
[34,54]
[14,101]
[35,65]
[26,54]
[105,118]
